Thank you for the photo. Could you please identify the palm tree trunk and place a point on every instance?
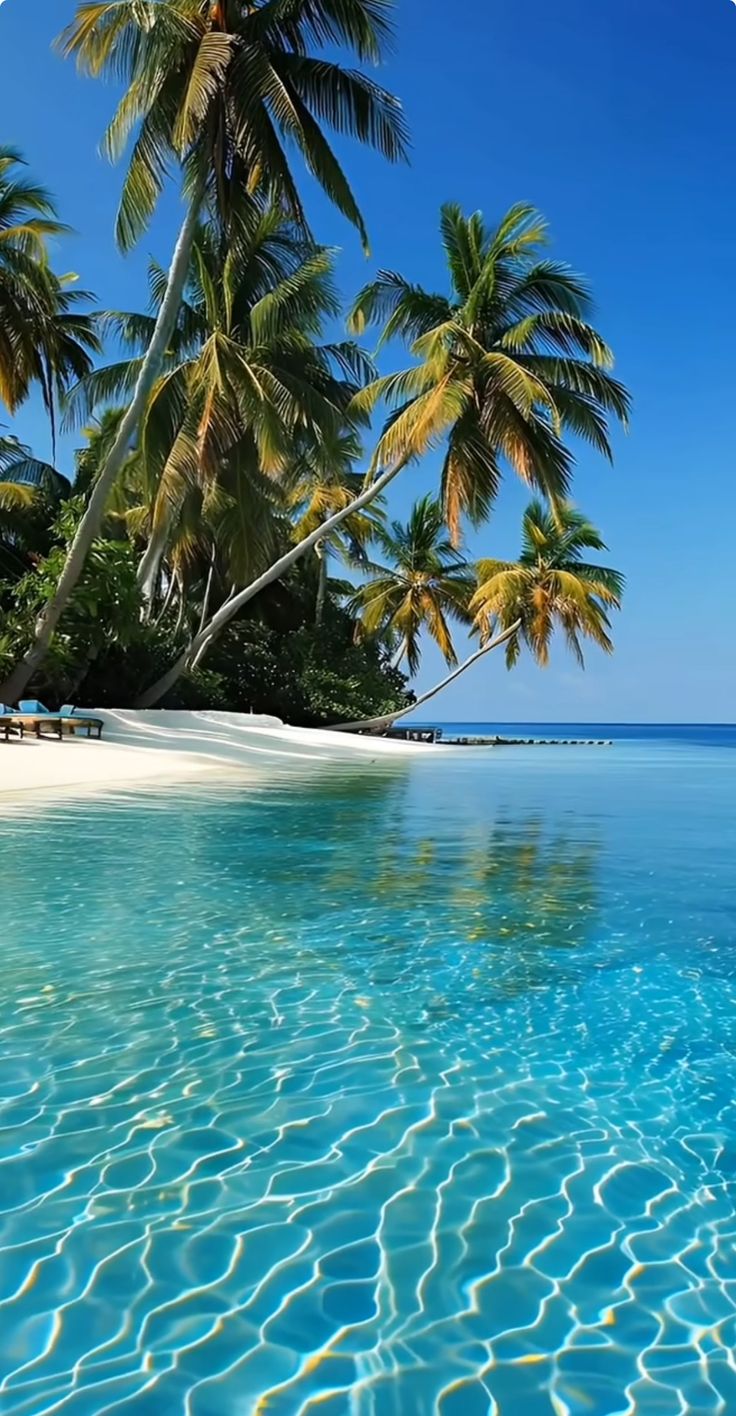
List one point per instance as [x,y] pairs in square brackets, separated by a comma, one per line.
[400,653]
[89,527]
[166,600]
[208,587]
[182,603]
[380,725]
[206,635]
[196,661]
[149,567]
[319,608]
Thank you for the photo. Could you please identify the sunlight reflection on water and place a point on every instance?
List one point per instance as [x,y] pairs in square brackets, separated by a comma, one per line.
[395,1090]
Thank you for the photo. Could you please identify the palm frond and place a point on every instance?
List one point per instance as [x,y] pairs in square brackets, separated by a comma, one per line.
[349,102]
[110,384]
[405,310]
[550,587]
[470,474]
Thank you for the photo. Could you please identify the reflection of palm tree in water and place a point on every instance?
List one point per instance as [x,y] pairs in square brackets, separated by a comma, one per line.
[533,894]
[495,904]
[538,882]
[359,886]
[344,879]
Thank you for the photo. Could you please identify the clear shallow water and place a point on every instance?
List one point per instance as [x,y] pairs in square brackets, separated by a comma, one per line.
[395,1092]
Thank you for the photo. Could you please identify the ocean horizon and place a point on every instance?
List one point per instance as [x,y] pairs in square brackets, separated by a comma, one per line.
[596,722]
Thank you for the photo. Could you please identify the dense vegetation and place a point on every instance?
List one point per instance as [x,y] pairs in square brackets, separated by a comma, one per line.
[223,539]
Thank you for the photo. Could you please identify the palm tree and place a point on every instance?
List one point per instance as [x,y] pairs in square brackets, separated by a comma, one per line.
[44,337]
[19,467]
[27,219]
[245,383]
[30,492]
[386,722]
[63,340]
[322,481]
[219,87]
[507,364]
[238,599]
[550,586]
[188,538]
[426,584]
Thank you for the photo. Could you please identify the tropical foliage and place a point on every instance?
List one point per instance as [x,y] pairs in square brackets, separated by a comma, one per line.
[550,587]
[506,365]
[224,89]
[44,337]
[425,586]
[245,392]
[278,660]
[218,87]
[223,536]
[323,482]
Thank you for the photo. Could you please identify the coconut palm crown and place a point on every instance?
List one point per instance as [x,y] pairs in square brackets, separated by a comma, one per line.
[224,88]
[245,376]
[44,337]
[507,365]
[425,585]
[550,587]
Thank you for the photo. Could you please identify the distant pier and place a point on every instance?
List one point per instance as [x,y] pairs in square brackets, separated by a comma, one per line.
[430,735]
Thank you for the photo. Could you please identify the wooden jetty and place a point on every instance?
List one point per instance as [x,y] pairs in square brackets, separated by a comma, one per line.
[430,735]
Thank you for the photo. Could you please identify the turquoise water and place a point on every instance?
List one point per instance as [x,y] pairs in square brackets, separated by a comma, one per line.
[390,1092]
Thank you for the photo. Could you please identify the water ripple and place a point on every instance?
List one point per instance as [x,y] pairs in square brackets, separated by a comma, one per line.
[336,1101]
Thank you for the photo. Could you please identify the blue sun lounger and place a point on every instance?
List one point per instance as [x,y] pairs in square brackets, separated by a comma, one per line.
[34,715]
[7,726]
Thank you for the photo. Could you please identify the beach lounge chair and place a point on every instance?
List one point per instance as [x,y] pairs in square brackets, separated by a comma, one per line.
[37,718]
[68,711]
[7,726]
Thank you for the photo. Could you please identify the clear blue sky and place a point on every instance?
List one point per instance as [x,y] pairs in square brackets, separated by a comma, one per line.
[615,117]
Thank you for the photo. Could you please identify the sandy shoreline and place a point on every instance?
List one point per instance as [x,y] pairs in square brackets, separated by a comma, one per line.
[159,745]
[33,766]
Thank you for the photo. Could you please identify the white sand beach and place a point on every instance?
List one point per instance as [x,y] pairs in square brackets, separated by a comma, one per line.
[163,745]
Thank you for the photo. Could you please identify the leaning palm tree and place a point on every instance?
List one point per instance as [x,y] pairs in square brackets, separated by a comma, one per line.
[506,368]
[219,88]
[551,587]
[424,587]
[507,364]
